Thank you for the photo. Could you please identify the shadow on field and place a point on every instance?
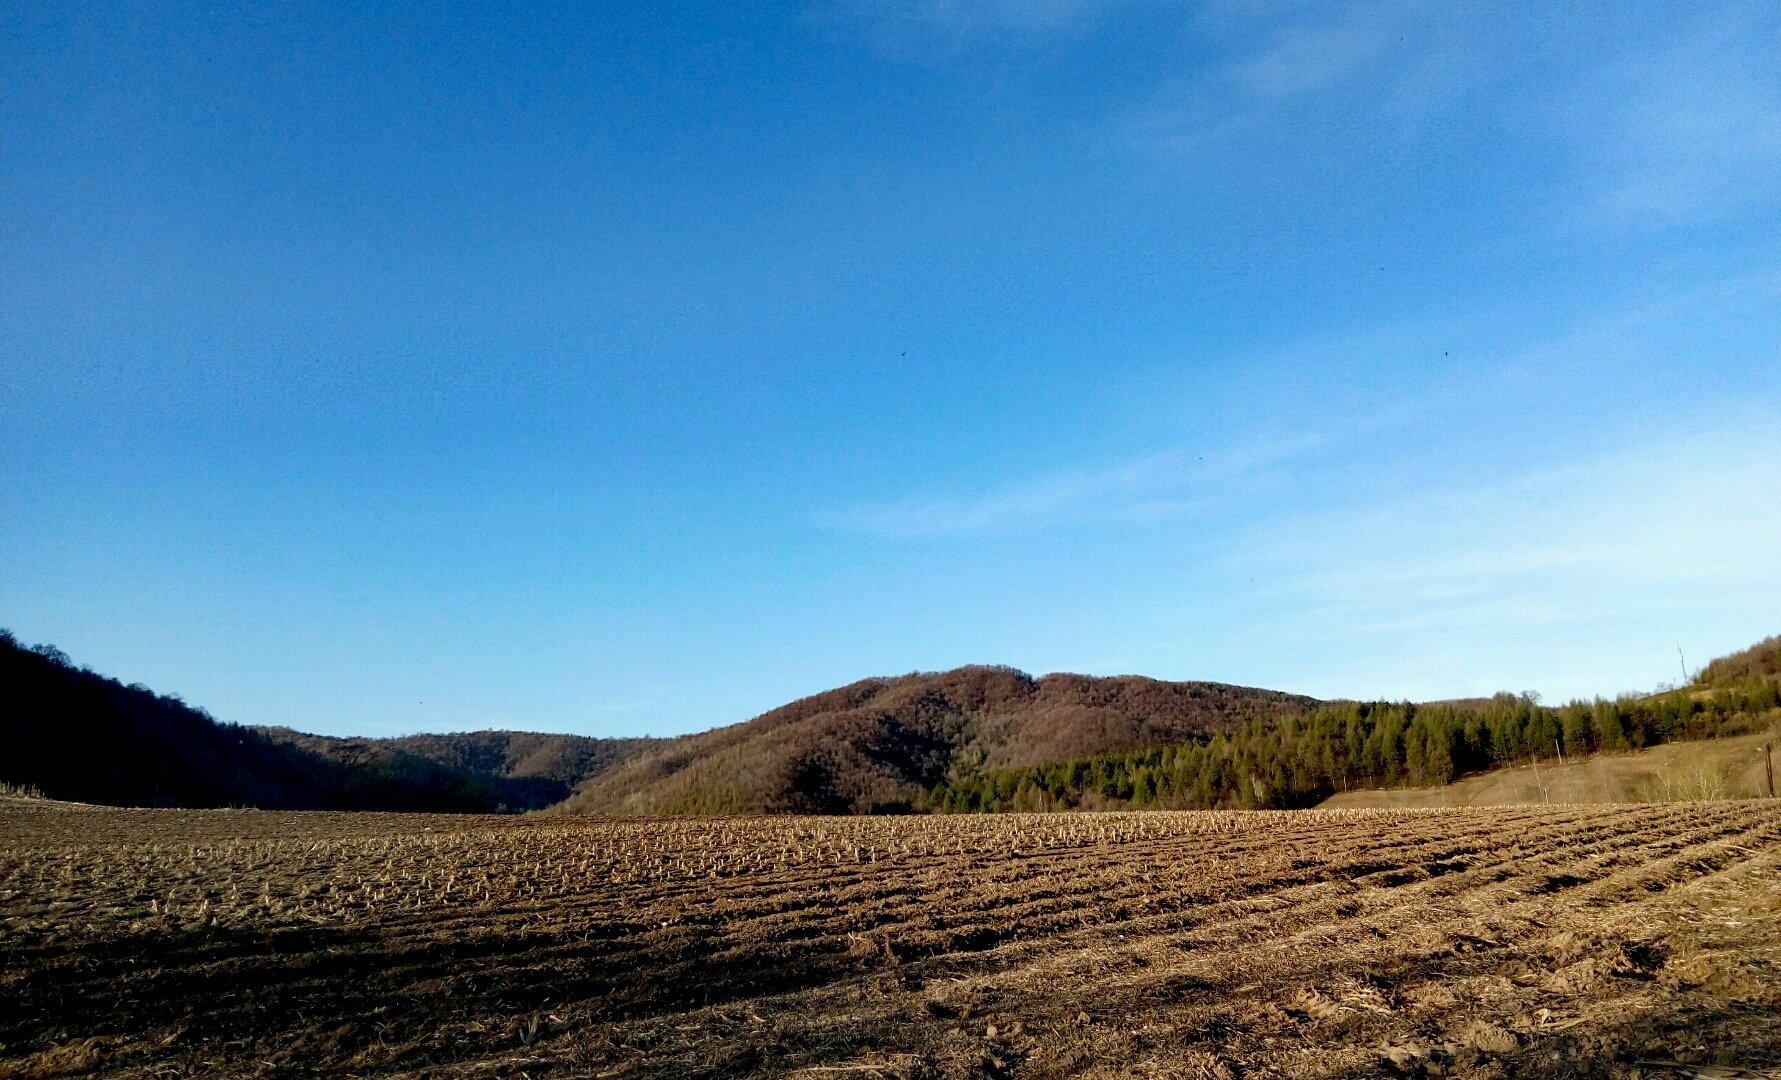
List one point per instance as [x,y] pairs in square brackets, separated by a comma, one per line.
[360,998]
[374,996]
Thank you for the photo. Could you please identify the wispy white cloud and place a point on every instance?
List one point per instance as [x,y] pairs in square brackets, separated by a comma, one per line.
[927,30]
[1639,129]
[1291,57]
[1353,396]
[1680,509]
[1060,497]
[1165,485]
[1687,131]
[1302,58]
[1674,536]
[1181,482]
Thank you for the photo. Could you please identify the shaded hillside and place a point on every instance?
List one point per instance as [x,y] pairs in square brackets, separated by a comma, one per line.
[77,735]
[878,744]
[523,770]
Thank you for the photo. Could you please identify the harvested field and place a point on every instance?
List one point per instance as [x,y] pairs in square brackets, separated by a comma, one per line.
[1487,942]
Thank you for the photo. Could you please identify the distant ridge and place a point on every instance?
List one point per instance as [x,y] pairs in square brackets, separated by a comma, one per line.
[522,770]
[74,734]
[974,738]
[877,744]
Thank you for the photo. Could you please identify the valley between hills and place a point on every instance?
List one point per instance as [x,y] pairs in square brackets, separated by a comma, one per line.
[809,894]
[972,739]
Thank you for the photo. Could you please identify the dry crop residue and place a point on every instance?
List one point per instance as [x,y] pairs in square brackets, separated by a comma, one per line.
[1540,941]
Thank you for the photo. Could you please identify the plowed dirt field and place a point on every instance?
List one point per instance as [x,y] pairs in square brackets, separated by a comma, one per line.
[1540,941]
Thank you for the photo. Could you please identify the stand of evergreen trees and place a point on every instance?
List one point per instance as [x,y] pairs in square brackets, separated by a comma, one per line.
[1299,761]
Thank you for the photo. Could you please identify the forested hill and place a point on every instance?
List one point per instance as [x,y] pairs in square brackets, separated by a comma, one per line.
[73,734]
[975,738]
[529,770]
[881,744]
[1346,746]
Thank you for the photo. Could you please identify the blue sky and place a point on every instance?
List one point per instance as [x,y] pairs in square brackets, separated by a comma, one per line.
[631,368]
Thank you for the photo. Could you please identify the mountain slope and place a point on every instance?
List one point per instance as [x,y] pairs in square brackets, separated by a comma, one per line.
[1760,661]
[1348,746]
[521,770]
[77,735]
[879,743]
[972,738]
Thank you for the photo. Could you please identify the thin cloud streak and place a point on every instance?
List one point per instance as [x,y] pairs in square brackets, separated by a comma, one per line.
[1636,137]
[1680,513]
[1688,132]
[1206,108]
[935,31]
[1306,57]
[1161,486]
[1059,498]
[1652,535]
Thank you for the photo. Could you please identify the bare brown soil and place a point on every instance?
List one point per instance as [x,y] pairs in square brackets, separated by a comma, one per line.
[1598,941]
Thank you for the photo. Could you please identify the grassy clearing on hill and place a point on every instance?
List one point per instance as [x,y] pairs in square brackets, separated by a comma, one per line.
[1731,768]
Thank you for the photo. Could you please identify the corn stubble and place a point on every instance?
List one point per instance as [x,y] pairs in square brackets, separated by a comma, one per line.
[1612,941]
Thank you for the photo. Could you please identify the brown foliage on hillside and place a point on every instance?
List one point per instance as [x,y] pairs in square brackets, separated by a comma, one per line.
[1762,659]
[520,770]
[875,745]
